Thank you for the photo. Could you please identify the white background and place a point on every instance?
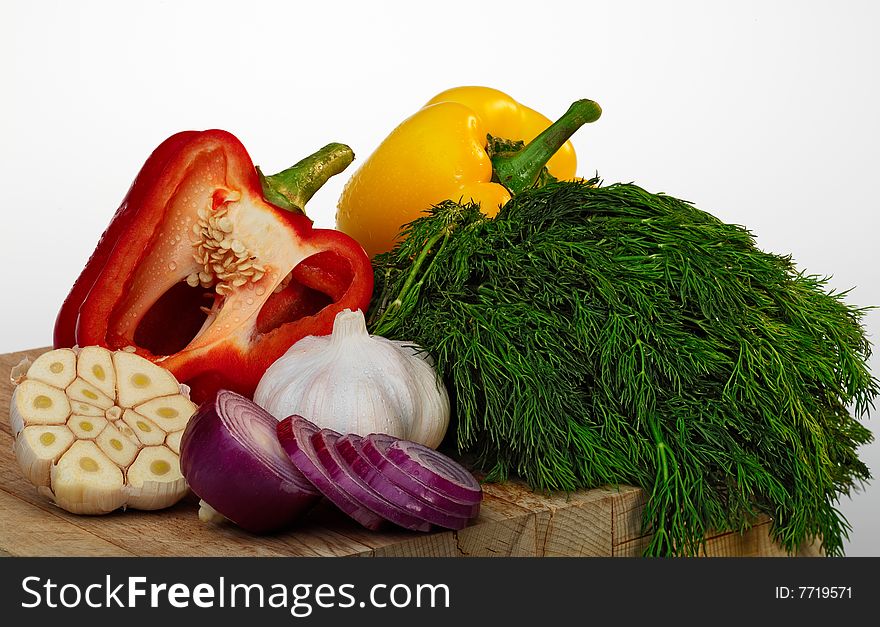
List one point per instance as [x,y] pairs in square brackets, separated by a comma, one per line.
[763,113]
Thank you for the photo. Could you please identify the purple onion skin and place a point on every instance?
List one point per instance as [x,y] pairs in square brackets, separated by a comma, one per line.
[229,478]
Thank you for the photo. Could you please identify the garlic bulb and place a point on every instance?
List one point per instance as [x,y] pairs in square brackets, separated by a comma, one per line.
[353,382]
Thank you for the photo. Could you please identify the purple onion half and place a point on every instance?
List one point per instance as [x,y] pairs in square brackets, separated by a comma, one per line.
[231,458]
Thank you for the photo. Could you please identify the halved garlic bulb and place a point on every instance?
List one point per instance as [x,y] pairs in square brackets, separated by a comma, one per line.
[97,430]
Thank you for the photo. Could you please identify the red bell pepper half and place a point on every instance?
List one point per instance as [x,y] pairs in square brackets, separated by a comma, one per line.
[200,273]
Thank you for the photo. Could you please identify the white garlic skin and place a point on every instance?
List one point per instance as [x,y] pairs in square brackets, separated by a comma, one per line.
[353,382]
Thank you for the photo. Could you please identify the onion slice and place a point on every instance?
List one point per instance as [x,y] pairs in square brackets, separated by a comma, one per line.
[348,448]
[443,502]
[415,467]
[324,443]
[231,459]
[295,435]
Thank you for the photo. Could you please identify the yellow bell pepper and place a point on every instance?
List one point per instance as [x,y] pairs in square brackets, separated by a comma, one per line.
[440,153]
[505,117]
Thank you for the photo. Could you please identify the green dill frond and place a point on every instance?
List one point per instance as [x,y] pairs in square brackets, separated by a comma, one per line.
[596,335]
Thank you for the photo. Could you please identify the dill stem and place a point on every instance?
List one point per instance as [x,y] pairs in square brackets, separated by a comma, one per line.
[383,298]
[397,303]
[661,448]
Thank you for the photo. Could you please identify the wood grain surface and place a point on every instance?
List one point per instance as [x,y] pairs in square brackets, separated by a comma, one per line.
[513,521]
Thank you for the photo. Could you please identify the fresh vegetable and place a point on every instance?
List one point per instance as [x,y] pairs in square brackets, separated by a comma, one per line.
[343,473]
[455,148]
[430,468]
[372,450]
[198,272]
[334,467]
[231,457]
[97,430]
[593,335]
[354,383]
[441,506]
[295,434]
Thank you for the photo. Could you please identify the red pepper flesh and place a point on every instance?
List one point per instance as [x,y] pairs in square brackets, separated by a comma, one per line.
[199,273]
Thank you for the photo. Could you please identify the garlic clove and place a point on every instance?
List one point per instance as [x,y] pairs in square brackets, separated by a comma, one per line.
[139,380]
[95,365]
[117,446]
[82,390]
[56,368]
[144,429]
[38,447]
[85,481]
[84,409]
[41,403]
[86,427]
[125,430]
[155,478]
[170,413]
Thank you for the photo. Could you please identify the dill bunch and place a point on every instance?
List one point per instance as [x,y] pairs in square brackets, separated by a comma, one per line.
[593,335]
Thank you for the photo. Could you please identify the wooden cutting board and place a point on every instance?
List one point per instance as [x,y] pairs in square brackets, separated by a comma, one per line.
[513,521]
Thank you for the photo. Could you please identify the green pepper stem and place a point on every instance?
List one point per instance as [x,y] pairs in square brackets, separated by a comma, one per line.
[292,188]
[520,171]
